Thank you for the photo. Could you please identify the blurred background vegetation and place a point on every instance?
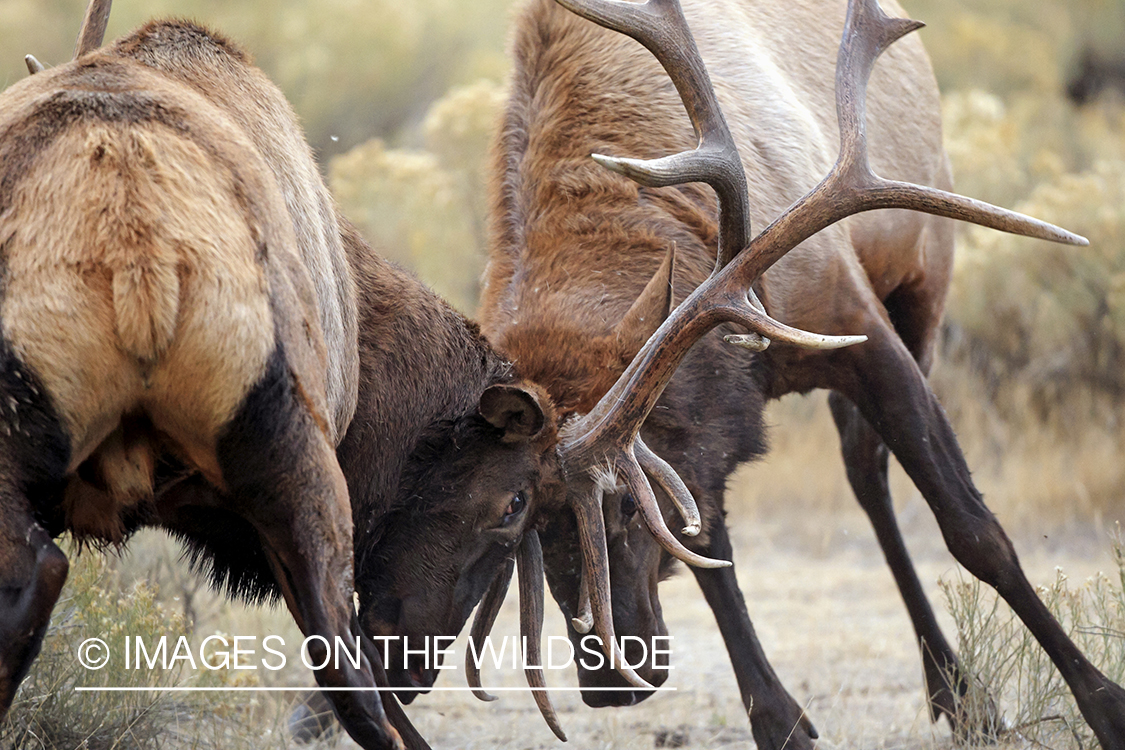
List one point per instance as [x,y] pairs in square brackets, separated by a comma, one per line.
[399,100]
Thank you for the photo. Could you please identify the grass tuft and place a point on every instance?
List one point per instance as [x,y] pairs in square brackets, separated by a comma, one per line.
[50,713]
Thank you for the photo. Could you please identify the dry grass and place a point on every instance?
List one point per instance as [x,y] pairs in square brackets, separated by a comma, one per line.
[998,652]
[112,599]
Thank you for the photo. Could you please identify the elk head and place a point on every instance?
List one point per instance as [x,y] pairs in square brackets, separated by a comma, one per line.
[466,500]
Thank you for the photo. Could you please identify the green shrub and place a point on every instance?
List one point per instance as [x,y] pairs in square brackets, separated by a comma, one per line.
[1049,315]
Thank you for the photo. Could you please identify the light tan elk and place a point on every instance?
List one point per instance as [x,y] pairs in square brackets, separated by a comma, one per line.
[175,291]
[585,265]
[445,455]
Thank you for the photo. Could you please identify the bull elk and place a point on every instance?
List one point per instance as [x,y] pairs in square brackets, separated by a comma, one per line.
[175,292]
[585,265]
[194,339]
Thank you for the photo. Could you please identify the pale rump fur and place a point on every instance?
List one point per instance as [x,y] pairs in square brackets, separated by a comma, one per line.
[222,73]
[133,286]
[164,308]
[179,339]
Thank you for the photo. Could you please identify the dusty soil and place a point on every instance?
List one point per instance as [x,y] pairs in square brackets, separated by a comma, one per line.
[828,614]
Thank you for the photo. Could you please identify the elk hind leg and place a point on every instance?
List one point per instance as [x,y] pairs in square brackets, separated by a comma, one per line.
[776,719]
[865,458]
[892,394]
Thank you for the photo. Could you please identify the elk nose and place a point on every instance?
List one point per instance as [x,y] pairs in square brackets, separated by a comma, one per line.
[420,677]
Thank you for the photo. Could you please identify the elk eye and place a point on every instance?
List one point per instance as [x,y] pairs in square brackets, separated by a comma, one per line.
[519,502]
[628,506]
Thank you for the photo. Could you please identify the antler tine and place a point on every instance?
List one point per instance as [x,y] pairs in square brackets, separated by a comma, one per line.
[868,32]
[33,65]
[637,483]
[657,468]
[92,34]
[529,560]
[660,26]
[583,621]
[595,574]
[482,624]
[852,187]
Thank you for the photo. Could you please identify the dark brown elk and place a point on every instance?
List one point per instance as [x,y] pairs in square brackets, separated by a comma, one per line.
[579,277]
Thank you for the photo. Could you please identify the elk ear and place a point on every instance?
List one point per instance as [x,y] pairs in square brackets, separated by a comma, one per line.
[514,410]
[651,308]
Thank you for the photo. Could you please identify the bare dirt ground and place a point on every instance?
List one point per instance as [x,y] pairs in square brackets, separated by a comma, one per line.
[828,615]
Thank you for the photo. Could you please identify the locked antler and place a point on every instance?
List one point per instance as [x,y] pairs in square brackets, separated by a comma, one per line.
[607,437]
[529,559]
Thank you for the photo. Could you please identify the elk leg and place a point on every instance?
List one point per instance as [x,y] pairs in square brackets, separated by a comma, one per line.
[865,456]
[32,573]
[34,451]
[283,478]
[888,387]
[776,720]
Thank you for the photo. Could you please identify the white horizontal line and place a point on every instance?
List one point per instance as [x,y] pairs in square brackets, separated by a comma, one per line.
[308,689]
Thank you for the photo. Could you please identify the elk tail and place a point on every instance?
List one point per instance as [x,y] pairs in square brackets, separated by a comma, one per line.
[146,301]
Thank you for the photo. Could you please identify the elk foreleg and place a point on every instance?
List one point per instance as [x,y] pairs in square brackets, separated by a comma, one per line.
[33,456]
[32,573]
[886,384]
[776,719]
[283,478]
[865,457]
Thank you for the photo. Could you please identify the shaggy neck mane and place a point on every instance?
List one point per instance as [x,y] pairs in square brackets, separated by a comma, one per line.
[552,203]
[423,367]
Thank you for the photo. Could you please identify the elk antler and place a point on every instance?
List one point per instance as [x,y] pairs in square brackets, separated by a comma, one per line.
[90,36]
[607,435]
[529,559]
[482,625]
[93,27]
